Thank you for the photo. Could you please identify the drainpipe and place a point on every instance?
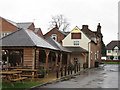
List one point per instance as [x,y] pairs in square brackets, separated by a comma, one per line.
[89,45]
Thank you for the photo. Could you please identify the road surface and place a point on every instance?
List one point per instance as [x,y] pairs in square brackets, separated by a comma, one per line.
[102,77]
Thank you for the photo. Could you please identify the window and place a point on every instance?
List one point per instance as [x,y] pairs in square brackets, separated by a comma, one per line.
[116,50]
[75,35]
[76,42]
[97,54]
[4,34]
[54,36]
[115,57]
[109,51]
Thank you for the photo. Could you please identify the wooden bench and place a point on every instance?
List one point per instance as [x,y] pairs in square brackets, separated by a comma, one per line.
[18,79]
[28,75]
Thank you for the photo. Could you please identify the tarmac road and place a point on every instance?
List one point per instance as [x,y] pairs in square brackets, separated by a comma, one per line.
[102,77]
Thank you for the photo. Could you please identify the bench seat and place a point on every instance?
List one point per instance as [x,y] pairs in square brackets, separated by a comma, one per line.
[18,79]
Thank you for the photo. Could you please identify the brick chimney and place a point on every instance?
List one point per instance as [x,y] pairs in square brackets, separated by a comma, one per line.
[84,26]
[99,28]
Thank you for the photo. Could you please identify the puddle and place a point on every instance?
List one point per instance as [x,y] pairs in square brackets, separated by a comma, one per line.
[100,82]
[113,70]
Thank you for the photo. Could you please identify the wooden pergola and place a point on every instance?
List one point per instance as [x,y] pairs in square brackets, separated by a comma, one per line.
[29,45]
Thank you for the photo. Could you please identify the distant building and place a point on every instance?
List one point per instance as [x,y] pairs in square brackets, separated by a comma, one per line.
[56,34]
[113,50]
[85,45]
[8,26]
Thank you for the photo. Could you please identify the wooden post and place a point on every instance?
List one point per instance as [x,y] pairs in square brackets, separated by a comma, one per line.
[68,62]
[56,63]
[21,53]
[34,58]
[60,60]
[7,58]
[61,71]
[47,53]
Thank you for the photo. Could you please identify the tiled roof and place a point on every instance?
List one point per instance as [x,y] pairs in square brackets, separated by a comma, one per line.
[25,38]
[24,25]
[76,49]
[113,44]
[57,45]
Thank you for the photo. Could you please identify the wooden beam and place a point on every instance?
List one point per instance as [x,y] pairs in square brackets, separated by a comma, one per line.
[47,54]
[68,58]
[60,60]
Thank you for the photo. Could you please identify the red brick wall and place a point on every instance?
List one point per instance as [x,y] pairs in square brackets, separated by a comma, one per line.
[32,27]
[93,55]
[40,33]
[8,27]
[60,36]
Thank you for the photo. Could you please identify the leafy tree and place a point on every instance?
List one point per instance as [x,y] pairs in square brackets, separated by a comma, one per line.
[103,51]
[60,22]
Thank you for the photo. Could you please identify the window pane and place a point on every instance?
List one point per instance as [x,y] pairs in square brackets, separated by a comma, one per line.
[75,35]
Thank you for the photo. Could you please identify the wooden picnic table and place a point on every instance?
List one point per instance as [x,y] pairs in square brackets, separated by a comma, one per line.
[33,72]
[12,76]
[4,68]
[9,68]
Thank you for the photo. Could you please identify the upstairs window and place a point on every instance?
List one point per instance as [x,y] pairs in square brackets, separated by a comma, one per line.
[4,34]
[75,35]
[109,51]
[116,50]
[54,36]
[76,43]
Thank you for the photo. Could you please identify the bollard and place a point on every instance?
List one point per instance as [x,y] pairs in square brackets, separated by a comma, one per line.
[75,68]
[57,74]
[61,71]
[68,69]
[71,69]
[65,70]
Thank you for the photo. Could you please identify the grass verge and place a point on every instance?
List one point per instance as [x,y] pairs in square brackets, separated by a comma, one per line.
[18,85]
[111,62]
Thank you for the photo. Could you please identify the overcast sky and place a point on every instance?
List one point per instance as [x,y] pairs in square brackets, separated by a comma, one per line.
[78,13]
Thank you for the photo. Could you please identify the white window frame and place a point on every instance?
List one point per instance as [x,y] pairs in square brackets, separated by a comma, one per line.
[115,50]
[54,36]
[76,43]
[4,34]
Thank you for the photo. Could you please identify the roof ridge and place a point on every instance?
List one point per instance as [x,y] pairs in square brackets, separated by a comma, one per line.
[24,22]
[29,36]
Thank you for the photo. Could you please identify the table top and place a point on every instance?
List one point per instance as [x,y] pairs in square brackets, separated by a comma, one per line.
[33,70]
[4,67]
[10,72]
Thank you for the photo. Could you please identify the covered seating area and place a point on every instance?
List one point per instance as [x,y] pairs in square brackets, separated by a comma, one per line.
[25,51]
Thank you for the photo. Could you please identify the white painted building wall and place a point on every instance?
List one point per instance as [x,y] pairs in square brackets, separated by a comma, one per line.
[79,57]
[83,42]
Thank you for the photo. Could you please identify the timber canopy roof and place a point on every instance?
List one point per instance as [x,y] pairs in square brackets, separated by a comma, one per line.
[76,49]
[25,37]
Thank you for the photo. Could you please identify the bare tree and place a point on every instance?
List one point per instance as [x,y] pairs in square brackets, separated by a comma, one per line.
[60,22]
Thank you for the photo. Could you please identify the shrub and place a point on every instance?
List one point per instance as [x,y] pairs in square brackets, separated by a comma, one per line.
[111,57]
[119,57]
